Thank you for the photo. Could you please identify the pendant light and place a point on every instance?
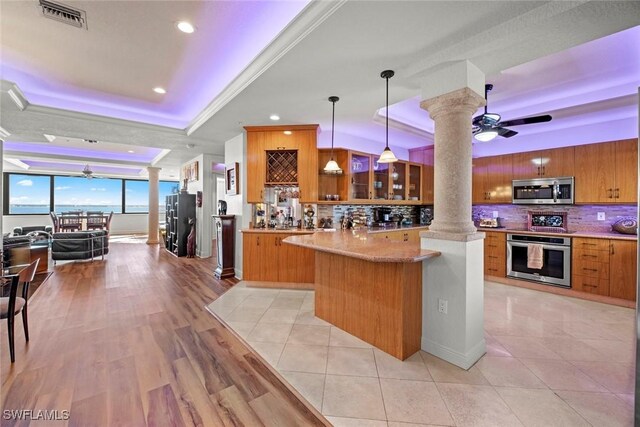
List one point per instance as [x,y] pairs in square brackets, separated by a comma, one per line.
[387,155]
[332,165]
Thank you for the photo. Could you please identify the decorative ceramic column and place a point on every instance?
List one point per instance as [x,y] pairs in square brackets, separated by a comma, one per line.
[152,238]
[452,114]
[453,283]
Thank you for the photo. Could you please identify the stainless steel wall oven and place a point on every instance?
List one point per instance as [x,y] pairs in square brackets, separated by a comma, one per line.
[556,259]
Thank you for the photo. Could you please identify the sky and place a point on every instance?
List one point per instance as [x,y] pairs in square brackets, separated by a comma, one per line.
[34,190]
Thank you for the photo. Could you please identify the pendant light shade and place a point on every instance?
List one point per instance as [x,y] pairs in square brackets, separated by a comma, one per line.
[332,166]
[387,155]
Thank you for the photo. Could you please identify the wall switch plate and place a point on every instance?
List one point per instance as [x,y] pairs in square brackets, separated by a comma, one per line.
[601,216]
[495,214]
[442,305]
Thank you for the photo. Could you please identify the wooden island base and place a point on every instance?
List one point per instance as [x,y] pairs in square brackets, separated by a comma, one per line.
[380,303]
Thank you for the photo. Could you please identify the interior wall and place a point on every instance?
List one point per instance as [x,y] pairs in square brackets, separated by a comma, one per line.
[342,140]
[235,150]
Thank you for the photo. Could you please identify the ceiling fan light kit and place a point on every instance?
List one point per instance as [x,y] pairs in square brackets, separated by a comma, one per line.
[487,126]
[387,155]
[332,166]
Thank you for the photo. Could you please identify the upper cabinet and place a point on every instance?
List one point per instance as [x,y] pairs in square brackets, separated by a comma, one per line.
[557,162]
[278,158]
[425,157]
[492,179]
[364,180]
[607,172]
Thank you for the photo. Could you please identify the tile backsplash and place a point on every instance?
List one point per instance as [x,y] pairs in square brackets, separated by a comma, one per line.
[579,217]
[336,212]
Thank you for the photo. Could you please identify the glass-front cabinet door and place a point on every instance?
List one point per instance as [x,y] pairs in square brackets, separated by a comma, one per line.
[415,182]
[381,181]
[398,187]
[360,165]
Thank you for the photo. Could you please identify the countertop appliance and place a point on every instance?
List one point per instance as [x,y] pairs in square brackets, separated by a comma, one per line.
[382,215]
[559,191]
[490,222]
[556,266]
[426,215]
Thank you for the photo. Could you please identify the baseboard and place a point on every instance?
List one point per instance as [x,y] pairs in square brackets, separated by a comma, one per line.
[238,273]
[465,361]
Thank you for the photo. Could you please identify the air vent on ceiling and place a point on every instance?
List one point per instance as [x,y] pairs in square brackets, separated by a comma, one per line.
[62,13]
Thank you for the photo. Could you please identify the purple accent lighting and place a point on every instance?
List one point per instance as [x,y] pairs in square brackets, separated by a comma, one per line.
[145,154]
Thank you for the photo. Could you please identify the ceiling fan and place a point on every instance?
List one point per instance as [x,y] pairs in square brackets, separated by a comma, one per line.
[488,125]
[87,172]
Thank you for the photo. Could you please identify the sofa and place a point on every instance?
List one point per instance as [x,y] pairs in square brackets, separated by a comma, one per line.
[79,245]
[23,231]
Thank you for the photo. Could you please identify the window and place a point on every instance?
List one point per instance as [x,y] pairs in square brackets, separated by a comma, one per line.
[29,194]
[26,194]
[167,188]
[79,193]
[136,196]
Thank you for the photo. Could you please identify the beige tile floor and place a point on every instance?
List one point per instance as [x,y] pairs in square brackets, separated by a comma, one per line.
[551,361]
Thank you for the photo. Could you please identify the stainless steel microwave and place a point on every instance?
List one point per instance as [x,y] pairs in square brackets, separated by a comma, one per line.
[558,191]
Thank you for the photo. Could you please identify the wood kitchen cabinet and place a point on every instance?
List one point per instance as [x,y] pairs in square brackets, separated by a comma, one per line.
[605,267]
[299,140]
[411,235]
[495,254]
[425,157]
[554,163]
[267,258]
[607,172]
[491,178]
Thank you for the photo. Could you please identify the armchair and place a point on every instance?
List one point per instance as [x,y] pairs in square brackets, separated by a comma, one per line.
[79,245]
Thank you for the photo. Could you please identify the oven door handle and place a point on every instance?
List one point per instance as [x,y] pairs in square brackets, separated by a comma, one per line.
[524,245]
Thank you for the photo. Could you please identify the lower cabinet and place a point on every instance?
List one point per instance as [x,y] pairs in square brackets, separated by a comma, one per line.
[604,267]
[267,258]
[412,236]
[495,254]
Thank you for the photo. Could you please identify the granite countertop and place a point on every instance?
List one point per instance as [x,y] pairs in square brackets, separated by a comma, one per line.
[358,244]
[279,231]
[405,227]
[587,234]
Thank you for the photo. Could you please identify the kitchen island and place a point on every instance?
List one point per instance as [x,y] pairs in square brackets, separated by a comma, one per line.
[369,287]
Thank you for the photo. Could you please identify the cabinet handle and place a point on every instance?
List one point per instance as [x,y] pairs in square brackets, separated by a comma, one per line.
[610,191]
[589,286]
[589,244]
[538,170]
[370,195]
[589,256]
[612,249]
[617,193]
[258,239]
[261,197]
[590,269]
[544,170]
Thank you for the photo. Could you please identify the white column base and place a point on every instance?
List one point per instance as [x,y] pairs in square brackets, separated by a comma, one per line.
[457,277]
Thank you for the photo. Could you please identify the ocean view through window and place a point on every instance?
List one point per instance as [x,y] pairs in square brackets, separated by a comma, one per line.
[27,194]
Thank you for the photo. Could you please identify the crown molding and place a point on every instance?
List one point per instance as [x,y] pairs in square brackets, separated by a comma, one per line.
[159,157]
[4,134]
[308,20]
[17,163]
[72,160]
[396,124]
[18,97]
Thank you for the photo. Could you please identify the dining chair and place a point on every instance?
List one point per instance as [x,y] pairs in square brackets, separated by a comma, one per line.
[13,304]
[70,221]
[108,223]
[96,220]
[56,221]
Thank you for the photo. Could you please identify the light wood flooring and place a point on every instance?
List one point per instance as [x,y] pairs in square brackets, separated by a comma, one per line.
[127,341]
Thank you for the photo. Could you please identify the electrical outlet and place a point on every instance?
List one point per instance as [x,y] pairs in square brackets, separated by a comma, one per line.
[601,216]
[442,305]
[495,214]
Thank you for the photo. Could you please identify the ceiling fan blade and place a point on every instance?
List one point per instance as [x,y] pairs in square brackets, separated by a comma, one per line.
[506,133]
[527,121]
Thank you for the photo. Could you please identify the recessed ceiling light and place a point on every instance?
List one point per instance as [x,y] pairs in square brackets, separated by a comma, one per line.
[274,117]
[186,27]
[287,132]
[159,90]
[130,151]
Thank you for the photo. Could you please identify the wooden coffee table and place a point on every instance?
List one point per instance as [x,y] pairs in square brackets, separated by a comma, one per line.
[40,252]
